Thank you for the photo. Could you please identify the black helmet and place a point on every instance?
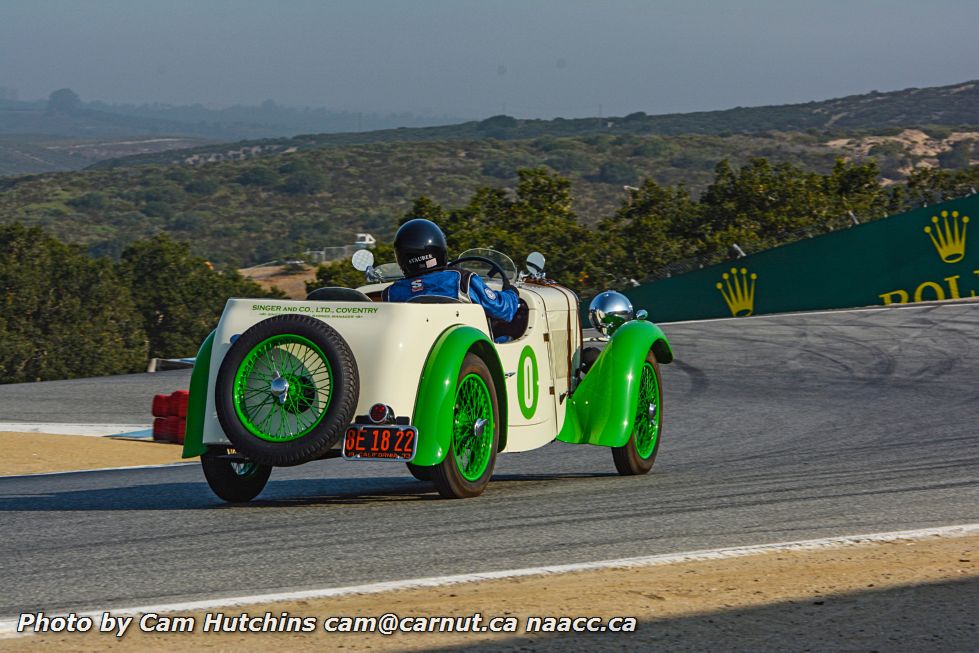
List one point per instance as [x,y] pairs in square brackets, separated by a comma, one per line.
[420,247]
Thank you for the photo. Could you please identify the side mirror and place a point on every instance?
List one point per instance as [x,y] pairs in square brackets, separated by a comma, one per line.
[362,260]
[642,314]
[535,264]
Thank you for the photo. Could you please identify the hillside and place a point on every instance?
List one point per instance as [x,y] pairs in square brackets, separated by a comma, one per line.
[29,154]
[956,105]
[274,200]
[247,212]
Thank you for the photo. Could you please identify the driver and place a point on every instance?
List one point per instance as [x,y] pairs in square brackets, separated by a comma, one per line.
[423,256]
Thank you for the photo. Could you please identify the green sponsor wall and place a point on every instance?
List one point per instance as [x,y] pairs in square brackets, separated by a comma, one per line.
[890,261]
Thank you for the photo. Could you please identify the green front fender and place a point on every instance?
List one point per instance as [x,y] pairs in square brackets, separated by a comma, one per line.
[603,406]
[194,434]
[435,402]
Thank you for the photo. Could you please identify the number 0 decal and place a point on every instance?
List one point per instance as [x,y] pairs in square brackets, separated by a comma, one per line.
[527,382]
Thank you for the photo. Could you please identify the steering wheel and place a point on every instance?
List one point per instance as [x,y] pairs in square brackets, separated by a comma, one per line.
[495,268]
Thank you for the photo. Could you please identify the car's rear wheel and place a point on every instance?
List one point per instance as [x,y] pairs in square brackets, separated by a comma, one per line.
[286,390]
[638,454]
[468,465]
[235,481]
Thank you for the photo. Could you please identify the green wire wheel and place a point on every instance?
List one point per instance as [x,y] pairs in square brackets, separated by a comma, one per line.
[639,453]
[472,427]
[283,388]
[286,390]
[468,465]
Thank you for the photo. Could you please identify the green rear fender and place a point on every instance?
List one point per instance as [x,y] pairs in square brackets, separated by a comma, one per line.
[603,406]
[435,402]
[194,434]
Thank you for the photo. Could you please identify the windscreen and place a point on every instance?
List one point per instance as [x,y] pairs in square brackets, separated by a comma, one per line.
[482,269]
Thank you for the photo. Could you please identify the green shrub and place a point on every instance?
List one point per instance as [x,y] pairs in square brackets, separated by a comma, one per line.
[93,201]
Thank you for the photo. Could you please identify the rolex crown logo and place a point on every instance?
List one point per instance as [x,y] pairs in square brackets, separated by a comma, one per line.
[948,235]
[738,290]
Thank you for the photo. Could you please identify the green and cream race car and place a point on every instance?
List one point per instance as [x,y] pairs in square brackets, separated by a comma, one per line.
[430,383]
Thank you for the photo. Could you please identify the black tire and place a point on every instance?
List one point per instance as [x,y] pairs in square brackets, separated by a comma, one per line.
[235,482]
[447,475]
[628,461]
[420,472]
[341,392]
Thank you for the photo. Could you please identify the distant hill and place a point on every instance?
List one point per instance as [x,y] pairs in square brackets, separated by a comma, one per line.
[30,153]
[64,133]
[952,106]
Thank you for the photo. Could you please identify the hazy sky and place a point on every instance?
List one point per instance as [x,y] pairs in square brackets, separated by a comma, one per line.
[475,58]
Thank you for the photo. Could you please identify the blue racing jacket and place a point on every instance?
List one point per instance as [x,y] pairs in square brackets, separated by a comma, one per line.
[462,284]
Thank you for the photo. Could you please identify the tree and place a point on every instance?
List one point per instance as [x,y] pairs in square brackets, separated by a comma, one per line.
[342,273]
[258,175]
[62,313]
[64,100]
[426,208]
[538,217]
[656,226]
[93,201]
[179,296]
[617,172]
[959,155]
[304,182]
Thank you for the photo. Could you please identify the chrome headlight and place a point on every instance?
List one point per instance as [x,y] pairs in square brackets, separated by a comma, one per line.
[610,310]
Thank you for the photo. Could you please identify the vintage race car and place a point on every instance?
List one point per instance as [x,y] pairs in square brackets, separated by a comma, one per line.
[431,382]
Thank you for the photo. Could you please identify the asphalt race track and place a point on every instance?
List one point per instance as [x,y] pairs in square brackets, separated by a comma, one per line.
[777,428]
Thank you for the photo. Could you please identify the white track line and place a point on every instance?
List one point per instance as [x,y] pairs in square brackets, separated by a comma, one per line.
[94,430]
[8,626]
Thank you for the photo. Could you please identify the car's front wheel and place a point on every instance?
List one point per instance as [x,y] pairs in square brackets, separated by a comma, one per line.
[638,454]
[468,465]
[235,481]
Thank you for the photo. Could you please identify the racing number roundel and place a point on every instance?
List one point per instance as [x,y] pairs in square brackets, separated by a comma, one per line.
[527,382]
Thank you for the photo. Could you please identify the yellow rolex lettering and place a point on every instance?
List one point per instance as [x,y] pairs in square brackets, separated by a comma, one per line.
[897,296]
[920,291]
[953,287]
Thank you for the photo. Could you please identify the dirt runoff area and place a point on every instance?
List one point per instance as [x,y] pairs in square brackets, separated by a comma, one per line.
[33,453]
[909,595]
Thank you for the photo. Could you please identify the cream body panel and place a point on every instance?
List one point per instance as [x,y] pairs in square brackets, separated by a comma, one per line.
[390,342]
[526,433]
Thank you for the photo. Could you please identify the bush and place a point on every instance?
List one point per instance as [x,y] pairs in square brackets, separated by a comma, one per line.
[617,172]
[569,161]
[65,314]
[93,201]
[304,182]
[158,210]
[179,296]
[959,156]
[258,176]
[202,187]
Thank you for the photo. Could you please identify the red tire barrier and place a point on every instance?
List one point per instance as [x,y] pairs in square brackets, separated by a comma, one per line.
[161,430]
[170,412]
[173,426]
[161,405]
[178,403]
